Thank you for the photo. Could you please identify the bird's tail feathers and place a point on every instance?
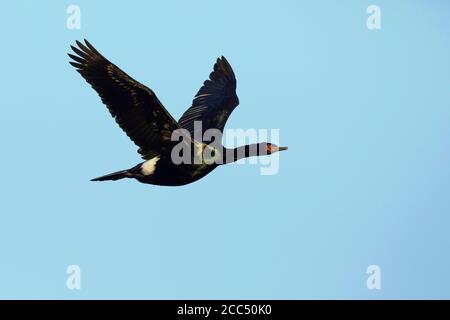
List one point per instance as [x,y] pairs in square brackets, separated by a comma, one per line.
[114,176]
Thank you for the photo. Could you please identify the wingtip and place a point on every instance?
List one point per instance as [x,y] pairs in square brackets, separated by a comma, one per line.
[87,42]
[79,44]
[223,60]
[76,65]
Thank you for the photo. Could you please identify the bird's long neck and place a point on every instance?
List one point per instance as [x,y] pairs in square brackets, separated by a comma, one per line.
[232,155]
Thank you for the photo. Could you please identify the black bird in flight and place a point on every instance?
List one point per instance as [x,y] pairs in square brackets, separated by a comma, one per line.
[144,119]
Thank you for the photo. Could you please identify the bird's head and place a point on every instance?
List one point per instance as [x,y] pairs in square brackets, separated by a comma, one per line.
[269,148]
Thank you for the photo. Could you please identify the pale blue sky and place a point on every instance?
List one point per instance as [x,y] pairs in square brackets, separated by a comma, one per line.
[366,180]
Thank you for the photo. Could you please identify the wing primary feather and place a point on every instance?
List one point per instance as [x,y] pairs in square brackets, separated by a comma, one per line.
[76,65]
[80,53]
[76,58]
[91,47]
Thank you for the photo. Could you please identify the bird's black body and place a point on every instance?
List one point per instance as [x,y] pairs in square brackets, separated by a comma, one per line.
[144,119]
[168,174]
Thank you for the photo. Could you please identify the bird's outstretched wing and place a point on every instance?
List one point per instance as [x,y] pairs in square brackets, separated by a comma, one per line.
[135,107]
[215,100]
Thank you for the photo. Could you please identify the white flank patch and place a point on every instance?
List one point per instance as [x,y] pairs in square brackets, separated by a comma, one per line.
[148,167]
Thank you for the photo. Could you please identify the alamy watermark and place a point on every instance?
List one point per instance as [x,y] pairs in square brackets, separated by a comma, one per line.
[73,21]
[205,148]
[373,22]
[373,281]
[73,281]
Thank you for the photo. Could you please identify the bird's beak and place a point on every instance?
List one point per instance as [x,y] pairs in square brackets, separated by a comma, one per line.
[282,148]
